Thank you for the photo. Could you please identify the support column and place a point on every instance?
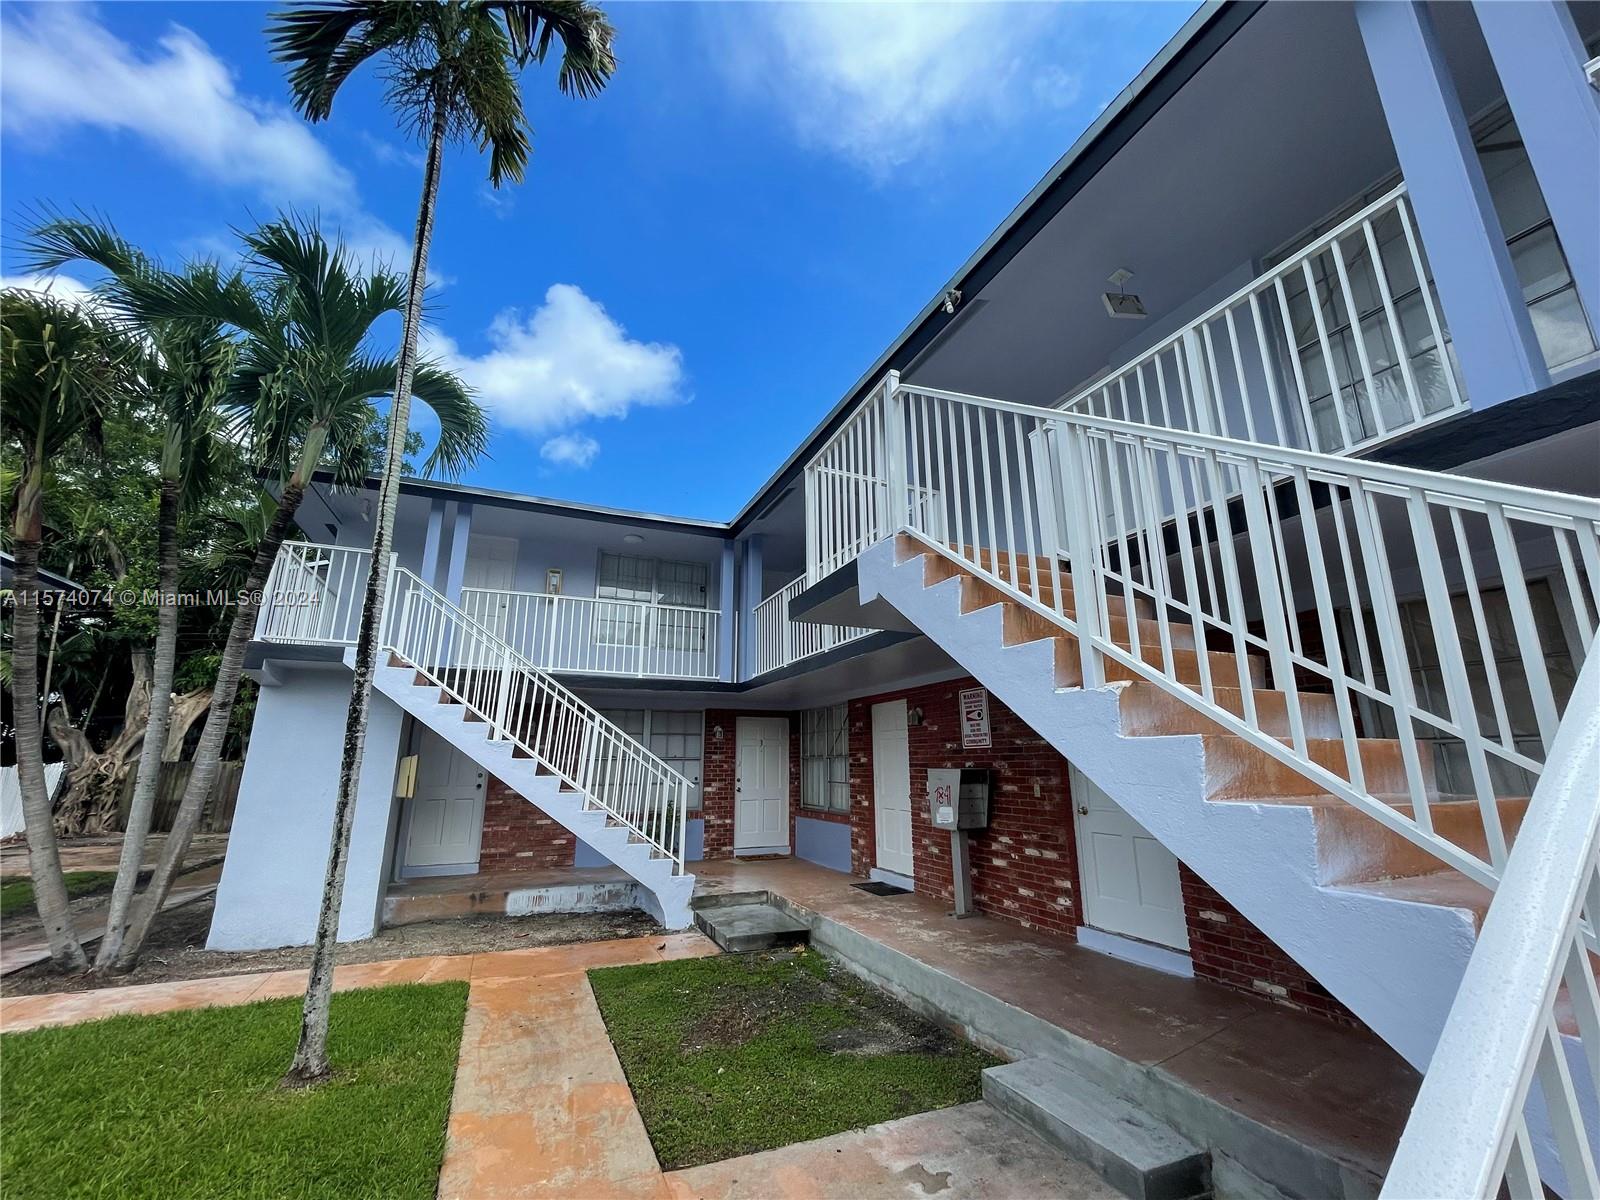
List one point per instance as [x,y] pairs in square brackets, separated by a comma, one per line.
[728,620]
[461,532]
[1539,57]
[430,543]
[749,596]
[1478,288]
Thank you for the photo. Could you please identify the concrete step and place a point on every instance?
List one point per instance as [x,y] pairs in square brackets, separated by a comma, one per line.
[1150,711]
[738,928]
[1124,1145]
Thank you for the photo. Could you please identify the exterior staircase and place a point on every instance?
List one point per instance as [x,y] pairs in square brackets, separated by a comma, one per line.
[466,684]
[1209,629]
[665,888]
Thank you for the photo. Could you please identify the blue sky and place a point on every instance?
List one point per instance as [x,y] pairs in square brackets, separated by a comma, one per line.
[701,261]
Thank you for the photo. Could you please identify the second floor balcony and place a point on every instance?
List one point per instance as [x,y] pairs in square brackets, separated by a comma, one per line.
[588,635]
[315,591]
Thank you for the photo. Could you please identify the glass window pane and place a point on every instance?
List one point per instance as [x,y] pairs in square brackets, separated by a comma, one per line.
[1541,267]
[1559,323]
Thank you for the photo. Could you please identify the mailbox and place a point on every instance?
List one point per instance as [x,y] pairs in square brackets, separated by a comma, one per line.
[958,798]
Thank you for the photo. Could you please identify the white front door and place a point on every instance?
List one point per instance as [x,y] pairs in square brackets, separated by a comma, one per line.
[1130,880]
[761,783]
[445,814]
[492,564]
[891,786]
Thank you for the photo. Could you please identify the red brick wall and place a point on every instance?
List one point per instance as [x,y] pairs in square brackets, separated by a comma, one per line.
[1024,865]
[518,835]
[1229,950]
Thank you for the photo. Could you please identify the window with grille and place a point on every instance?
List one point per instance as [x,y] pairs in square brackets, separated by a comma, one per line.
[677,738]
[825,759]
[651,581]
[1507,695]
[1563,330]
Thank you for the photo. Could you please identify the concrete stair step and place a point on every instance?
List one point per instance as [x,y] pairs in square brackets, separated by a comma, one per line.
[1149,710]
[1237,770]
[1224,668]
[738,928]
[1353,848]
[1124,1145]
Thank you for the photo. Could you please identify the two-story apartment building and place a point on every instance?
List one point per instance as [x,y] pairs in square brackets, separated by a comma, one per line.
[1288,369]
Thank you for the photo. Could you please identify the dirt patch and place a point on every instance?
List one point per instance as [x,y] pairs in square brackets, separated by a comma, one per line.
[850,1017]
[176,948]
[737,1053]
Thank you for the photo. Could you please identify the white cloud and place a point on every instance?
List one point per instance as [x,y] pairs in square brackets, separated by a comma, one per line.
[570,449]
[566,362]
[63,286]
[60,69]
[880,84]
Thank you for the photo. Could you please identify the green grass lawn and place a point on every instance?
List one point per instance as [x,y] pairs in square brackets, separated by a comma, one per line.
[188,1104]
[744,1052]
[16,893]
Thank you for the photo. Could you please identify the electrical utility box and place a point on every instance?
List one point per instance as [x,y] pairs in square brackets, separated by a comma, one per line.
[958,798]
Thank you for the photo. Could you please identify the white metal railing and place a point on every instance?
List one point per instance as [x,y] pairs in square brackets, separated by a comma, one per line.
[780,641]
[1257,365]
[1440,611]
[1282,558]
[1527,1010]
[314,595]
[601,637]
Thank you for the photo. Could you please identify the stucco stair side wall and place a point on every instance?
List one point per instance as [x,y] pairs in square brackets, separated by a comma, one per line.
[271,886]
[1396,964]
[663,895]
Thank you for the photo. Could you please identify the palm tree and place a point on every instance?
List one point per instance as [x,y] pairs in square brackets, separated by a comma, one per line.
[60,366]
[451,72]
[186,373]
[301,395]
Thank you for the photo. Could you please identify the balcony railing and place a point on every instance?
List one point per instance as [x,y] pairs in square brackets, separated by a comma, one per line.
[590,636]
[1257,366]
[780,641]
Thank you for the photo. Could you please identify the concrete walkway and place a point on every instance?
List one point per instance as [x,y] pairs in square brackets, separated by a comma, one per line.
[103,853]
[1337,1090]
[543,1111]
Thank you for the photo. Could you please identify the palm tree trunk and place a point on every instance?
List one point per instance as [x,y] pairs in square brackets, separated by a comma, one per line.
[208,754]
[143,804]
[311,1054]
[55,636]
[44,857]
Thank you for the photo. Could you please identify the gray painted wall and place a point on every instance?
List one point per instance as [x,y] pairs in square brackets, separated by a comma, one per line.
[826,843]
[278,850]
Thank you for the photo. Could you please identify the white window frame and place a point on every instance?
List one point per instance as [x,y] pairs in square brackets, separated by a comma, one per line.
[825,729]
[648,733]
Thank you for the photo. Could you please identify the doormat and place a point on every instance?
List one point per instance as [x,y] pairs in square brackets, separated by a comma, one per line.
[882,889]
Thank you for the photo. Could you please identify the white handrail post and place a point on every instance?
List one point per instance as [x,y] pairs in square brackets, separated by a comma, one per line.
[683,823]
[1068,445]
[264,613]
[386,618]
[1199,386]
[894,454]
[502,698]
[813,533]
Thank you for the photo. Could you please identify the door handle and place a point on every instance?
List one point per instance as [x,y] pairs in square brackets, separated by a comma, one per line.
[1083,810]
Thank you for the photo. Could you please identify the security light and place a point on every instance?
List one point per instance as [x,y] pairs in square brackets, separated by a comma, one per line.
[952,300]
[1123,303]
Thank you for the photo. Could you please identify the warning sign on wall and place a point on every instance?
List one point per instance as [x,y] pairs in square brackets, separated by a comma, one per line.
[975,719]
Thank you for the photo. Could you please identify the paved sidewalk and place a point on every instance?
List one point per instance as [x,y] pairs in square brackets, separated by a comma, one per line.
[542,1109]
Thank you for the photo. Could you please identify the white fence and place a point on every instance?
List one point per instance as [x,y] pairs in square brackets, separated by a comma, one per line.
[1339,347]
[780,641]
[582,634]
[314,595]
[12,820]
